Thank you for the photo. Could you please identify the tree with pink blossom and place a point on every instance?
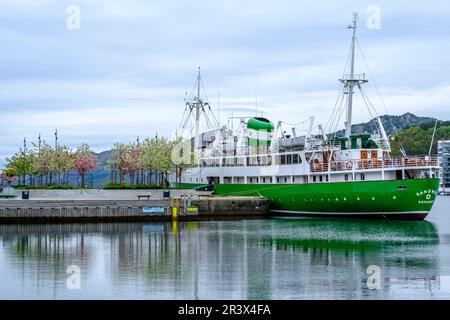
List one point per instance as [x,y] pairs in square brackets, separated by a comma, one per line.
[85,162]
[133,161]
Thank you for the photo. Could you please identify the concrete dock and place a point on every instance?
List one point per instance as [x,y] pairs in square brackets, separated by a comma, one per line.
[113,210]
[86,194]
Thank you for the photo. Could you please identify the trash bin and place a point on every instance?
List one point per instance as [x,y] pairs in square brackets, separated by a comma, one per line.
[166,194]
[25,194]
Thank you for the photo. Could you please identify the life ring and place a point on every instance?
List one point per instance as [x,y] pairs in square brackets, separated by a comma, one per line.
[349,165]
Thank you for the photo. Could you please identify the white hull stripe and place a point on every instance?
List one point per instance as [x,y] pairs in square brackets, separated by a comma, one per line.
[350,213]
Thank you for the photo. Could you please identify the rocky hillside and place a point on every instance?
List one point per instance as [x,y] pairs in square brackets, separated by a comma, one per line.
[392,124]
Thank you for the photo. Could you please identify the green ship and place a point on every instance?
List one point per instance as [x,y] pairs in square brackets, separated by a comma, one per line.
[317,173]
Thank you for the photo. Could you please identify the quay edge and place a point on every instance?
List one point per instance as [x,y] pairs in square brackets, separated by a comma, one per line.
[41,211]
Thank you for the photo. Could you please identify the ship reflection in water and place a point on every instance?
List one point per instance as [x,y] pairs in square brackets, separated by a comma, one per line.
[241,259]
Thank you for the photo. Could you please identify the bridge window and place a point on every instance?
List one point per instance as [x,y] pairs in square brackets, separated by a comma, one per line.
[289,159]
[296,158]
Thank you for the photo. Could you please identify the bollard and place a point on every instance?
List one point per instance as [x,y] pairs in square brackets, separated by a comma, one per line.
[174,213]
[174,205]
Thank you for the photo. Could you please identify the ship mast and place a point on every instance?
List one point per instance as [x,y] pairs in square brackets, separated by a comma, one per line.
[351,80]
[195,108]
[198,105]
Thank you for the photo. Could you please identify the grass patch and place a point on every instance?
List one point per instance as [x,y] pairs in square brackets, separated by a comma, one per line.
[63,187]
[7,196]
[116,186]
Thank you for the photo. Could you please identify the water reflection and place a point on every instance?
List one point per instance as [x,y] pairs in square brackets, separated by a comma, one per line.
[353,234]
[249,259]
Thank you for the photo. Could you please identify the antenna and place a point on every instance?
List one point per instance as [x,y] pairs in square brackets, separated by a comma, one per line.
[218,96]
[199,78]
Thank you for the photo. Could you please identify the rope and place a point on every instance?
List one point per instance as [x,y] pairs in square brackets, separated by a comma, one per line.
[399,145]
[296,124]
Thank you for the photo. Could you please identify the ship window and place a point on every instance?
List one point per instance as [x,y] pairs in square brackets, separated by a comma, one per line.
[326,178]
[283,159]
[229,161]
[254,180]
[346,177]
[363,177]
[320,179]
[314,178]
[289,159]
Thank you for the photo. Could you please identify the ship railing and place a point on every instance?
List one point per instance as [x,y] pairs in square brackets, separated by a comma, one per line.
[368,164]
[359,77]
[411,162]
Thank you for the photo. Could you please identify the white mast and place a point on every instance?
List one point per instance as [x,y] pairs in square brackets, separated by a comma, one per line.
[195,107]
[348,124]
[351,80]
[198,105]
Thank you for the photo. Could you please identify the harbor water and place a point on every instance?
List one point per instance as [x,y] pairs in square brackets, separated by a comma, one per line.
[276,258]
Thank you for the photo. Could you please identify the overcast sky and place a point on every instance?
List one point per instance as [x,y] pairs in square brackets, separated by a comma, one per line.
[125,71]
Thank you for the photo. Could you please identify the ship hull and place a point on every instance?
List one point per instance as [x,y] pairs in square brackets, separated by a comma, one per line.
[389,199]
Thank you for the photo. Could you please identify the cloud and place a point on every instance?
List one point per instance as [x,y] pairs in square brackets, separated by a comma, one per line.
[124,73]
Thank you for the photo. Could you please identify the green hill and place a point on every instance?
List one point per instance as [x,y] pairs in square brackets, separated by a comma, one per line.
[416,139]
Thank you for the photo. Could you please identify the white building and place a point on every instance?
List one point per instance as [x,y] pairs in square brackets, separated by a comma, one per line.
[444,163]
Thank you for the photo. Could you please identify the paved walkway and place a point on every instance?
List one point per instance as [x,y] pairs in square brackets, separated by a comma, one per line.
[96,194]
